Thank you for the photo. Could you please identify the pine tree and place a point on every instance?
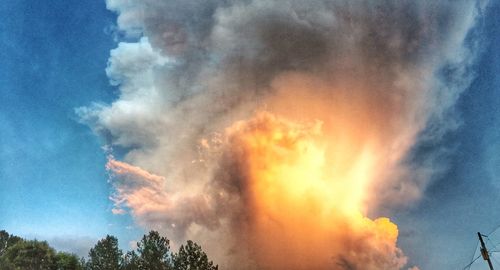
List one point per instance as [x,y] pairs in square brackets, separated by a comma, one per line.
[154,252]
[130,261]
[192,257]
[105,255]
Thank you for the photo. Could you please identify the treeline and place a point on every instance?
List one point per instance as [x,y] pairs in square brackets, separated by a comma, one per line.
[152,253]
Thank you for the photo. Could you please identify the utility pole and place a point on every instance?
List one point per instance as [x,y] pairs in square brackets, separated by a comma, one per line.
[484,251]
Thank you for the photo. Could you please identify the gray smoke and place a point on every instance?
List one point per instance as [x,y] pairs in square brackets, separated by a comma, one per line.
[197,66]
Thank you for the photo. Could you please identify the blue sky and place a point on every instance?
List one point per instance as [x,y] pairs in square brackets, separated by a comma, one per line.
[463,200]
[53,56]
[52,177]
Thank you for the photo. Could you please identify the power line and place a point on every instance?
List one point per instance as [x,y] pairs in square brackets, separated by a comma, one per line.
[474,253]
[491,241]
[484,251]
[496,260]
[494,245]
[467,267]
[496,228]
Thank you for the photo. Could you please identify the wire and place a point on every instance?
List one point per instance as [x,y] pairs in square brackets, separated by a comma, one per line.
[474,253]
[496,228]
[495,260]
[494,245]
[467,267]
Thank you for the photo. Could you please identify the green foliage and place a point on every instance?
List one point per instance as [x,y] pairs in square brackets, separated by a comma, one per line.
[4,238]
[192,257]
[105,255]
[67,261]
[83,263]
[7,240]
[154,252]
[130,261]
[6,264]
[30,255]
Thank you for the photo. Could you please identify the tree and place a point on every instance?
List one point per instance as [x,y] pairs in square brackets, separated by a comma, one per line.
[67,261]
[105,255]
[5,265]
[192,257]
[154,252]
[30,255]
[83,263]
[130,261]
[4,238]
[7,240]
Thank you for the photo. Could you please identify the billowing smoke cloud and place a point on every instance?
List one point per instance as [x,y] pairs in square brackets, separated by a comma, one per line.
[269,130]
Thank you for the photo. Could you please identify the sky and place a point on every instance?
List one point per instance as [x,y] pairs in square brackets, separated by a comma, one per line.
[54,184]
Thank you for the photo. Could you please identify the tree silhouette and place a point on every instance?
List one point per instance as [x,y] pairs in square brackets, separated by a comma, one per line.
[105,255]
[7,240]
[154,252]
[130,261]
[192,257]
[29,255]
[67,261]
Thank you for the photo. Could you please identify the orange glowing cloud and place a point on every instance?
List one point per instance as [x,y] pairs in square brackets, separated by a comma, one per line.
[136,189]
[307,213]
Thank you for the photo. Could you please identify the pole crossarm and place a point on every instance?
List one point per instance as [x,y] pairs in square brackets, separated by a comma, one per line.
[484,251]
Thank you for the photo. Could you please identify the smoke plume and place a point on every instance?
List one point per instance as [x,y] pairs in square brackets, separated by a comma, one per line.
[269,131]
